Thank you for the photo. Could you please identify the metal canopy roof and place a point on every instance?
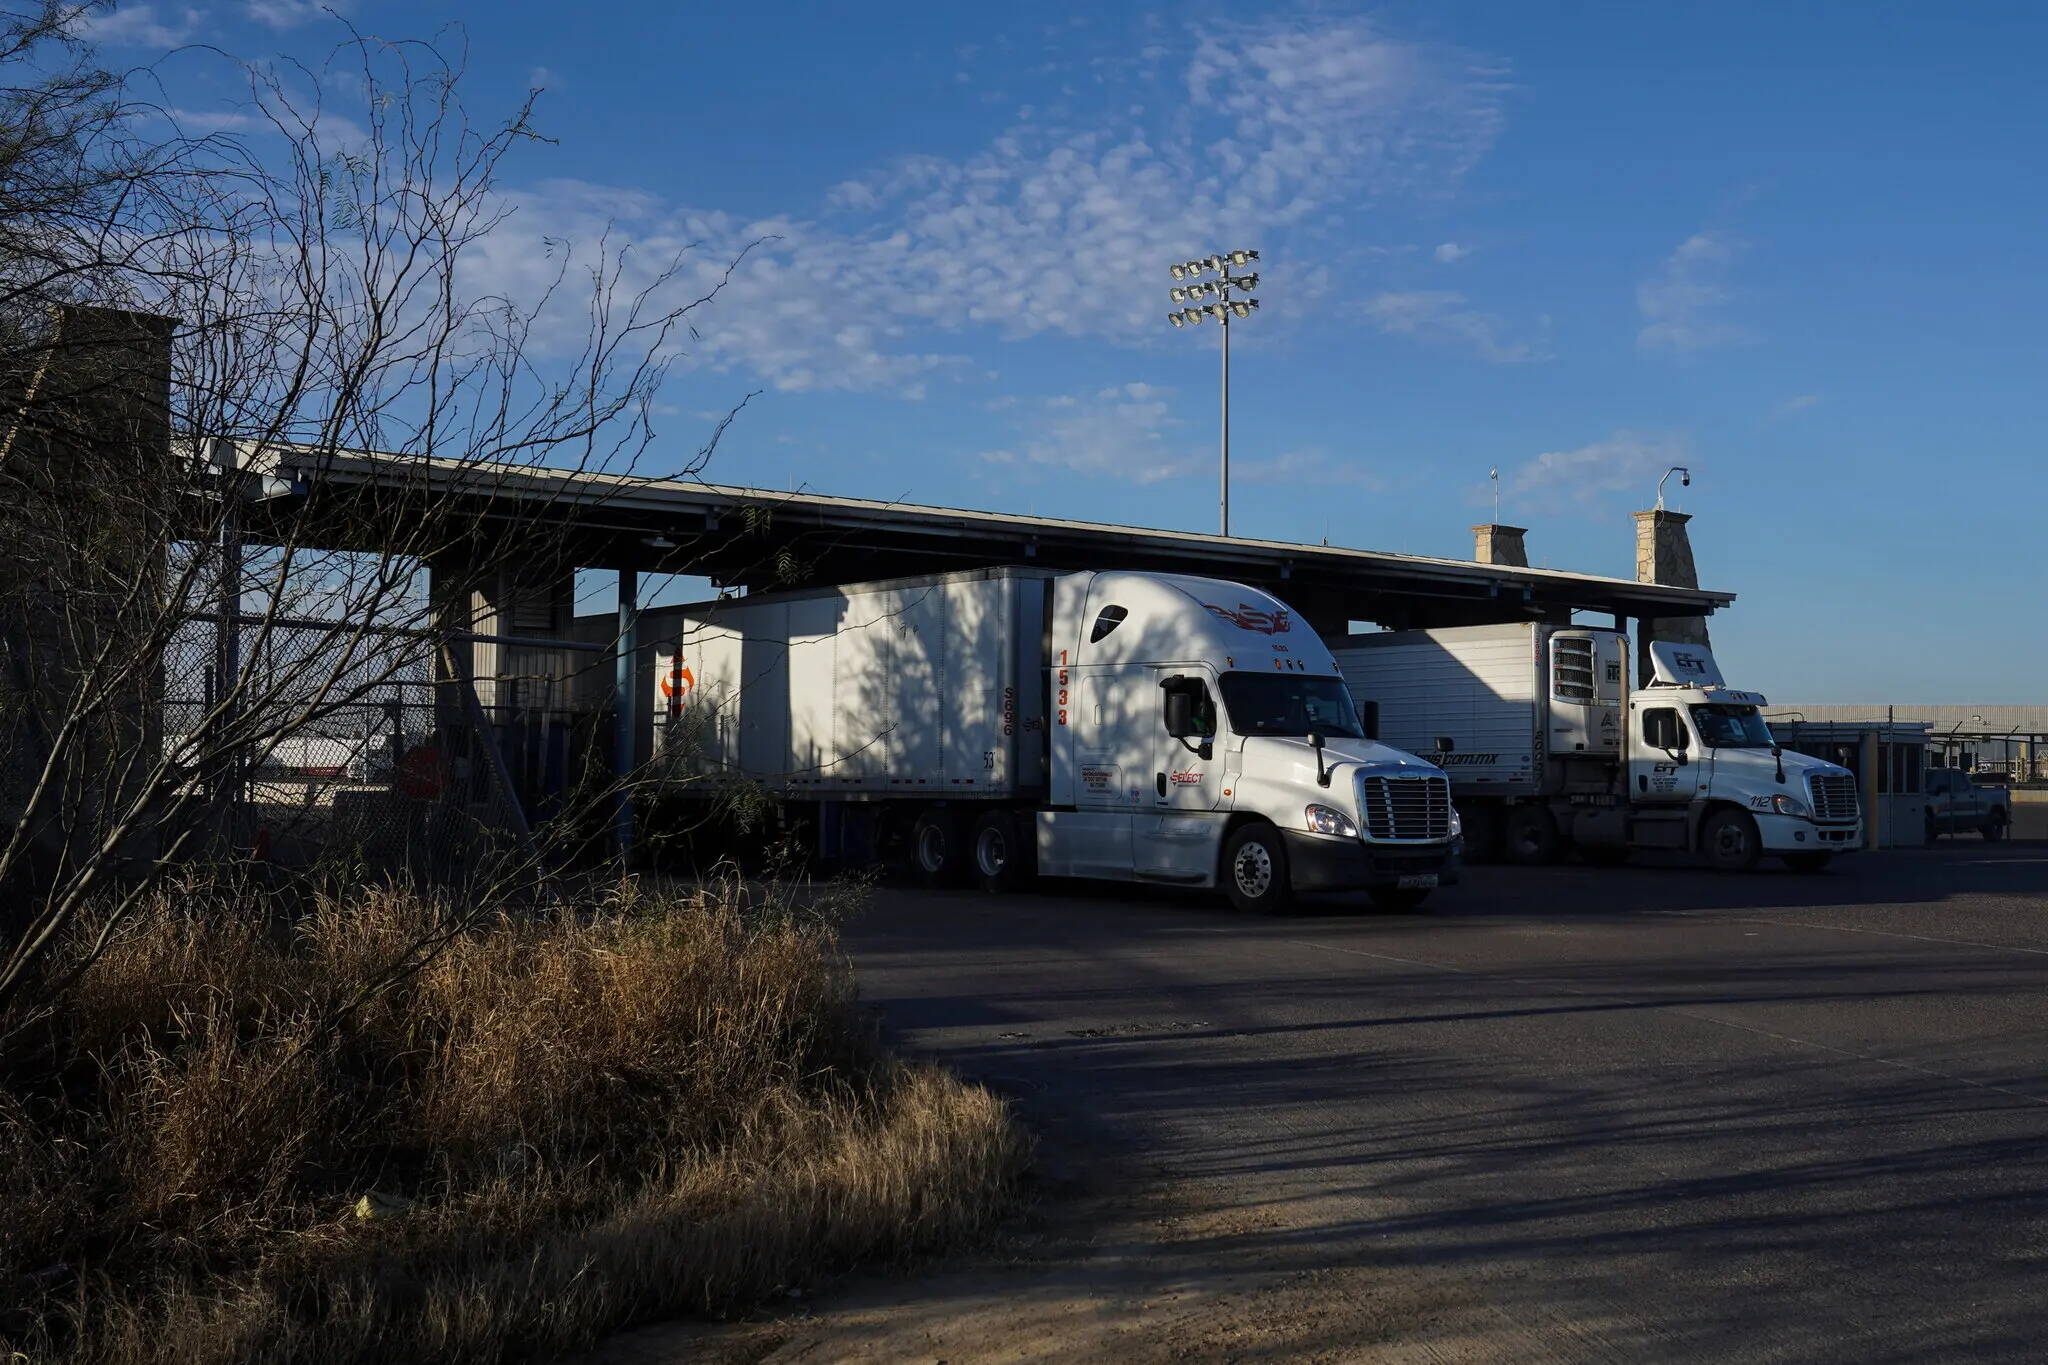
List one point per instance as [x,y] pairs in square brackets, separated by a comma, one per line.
[762,538]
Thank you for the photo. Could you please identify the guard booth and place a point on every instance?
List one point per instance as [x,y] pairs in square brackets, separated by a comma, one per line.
[1889,758]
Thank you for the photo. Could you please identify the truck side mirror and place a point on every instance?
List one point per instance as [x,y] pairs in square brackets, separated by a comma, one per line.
[1369,719]
[1180,714]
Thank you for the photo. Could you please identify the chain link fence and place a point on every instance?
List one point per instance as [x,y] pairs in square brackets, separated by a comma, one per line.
[375,754]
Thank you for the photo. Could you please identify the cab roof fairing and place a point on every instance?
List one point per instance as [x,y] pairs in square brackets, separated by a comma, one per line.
[1176,618]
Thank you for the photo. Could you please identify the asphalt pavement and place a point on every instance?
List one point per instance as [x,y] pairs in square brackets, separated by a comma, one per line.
[1646,1113]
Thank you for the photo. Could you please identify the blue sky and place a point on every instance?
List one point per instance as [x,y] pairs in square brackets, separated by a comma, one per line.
[1792,246]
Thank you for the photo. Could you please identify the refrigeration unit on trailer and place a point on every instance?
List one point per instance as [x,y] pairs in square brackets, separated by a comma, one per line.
[1547,746]
[1008,722]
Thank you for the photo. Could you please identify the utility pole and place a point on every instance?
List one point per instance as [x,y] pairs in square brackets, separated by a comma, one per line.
[1223,310]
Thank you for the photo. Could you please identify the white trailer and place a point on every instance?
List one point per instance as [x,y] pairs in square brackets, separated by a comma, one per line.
[1547,746]
[1011,721]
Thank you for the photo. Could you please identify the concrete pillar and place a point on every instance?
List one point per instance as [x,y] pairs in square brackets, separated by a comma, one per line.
[1493,543]
[1664,555]
[88,485]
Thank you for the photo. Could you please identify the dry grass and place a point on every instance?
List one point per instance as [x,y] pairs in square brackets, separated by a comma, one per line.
[560,1126]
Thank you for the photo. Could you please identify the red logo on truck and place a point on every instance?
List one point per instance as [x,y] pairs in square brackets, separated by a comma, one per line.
[1249,617]
[1187,778]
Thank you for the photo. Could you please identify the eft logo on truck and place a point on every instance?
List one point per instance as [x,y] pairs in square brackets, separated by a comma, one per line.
[1248,617]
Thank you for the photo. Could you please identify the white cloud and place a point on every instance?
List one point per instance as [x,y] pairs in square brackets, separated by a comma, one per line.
[541,78]
[1309,467]
[284,14]
[1627,461]
[217,121]
[1441,317]
[1799,402]
[142,25]
[1450,253]
[1682,303]
[1058,225]
[1127,431]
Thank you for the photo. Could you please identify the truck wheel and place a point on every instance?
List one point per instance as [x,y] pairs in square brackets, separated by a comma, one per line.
[1255,874]
[1811,864]
[938,855]
[1531,836]
[1003,852]
[1392,900]
[1730,841]
[1994,828]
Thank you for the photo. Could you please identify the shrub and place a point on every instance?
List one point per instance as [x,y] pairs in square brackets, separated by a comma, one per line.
[382,1129]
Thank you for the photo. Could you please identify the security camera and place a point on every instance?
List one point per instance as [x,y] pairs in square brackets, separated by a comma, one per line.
[1685,481]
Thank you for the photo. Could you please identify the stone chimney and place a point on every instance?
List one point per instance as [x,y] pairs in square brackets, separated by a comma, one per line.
[1664,555]
[1493,543]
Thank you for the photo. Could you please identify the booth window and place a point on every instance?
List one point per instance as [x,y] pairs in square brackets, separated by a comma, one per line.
[1908,762]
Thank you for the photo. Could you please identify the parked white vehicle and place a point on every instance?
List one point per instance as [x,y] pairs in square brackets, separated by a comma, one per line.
[1548,748]
[1126,726]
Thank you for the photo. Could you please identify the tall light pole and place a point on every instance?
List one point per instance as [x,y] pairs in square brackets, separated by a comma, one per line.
[1223,310]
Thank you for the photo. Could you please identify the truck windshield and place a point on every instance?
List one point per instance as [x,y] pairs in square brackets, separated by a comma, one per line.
[1723,726]
[1289,704]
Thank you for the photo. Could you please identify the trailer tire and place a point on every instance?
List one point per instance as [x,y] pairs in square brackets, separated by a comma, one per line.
[1255,874]
[939,854]
[1531,838]
[1005,852]
[1994,828]
[1730,840]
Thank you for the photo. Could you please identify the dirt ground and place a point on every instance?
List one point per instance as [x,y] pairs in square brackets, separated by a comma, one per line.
[1121,1266]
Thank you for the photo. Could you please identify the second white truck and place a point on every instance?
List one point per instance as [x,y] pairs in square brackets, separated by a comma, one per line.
[1007,722]
[1548,748]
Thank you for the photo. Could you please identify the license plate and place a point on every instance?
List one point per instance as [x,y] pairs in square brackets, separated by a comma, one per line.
[1417,881]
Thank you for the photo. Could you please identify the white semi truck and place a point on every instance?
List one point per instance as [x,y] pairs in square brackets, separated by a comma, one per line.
[1003,722]
[1548,748]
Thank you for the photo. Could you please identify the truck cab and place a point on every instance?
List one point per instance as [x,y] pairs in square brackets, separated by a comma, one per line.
[1703,771]
[1201,736]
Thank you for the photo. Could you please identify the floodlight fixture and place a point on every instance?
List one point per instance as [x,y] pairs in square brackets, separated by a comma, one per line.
[1223,310]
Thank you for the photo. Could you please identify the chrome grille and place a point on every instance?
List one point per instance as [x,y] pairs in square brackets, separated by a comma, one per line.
[1405,807]
[1834,796]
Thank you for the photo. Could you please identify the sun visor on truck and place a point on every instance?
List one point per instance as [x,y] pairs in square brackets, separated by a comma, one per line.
[1678,665]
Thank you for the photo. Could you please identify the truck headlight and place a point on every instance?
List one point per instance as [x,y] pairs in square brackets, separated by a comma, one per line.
[1457,823]
[1324,820]
[1788,805]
